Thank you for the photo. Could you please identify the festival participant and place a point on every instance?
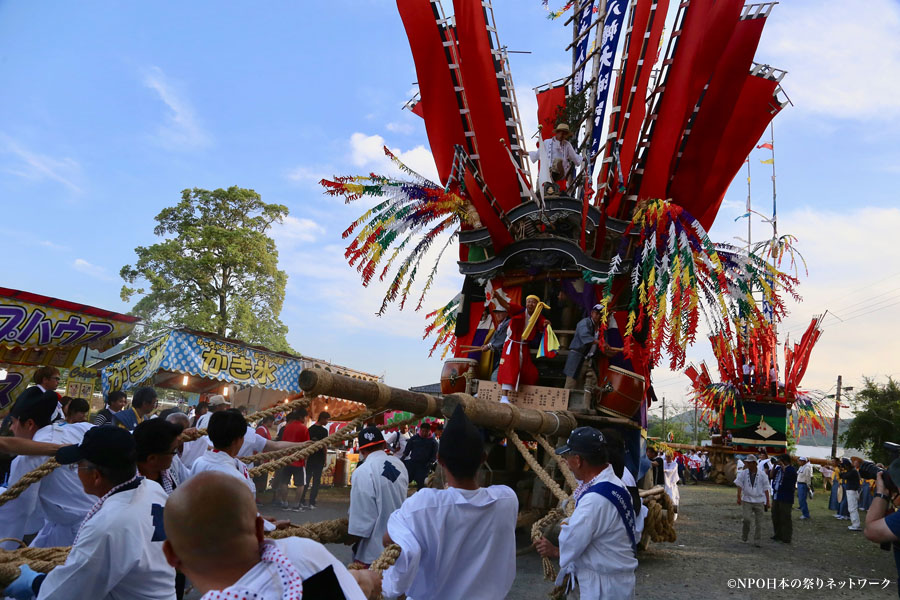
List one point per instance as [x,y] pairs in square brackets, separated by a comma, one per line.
[45,379]
[226,431]
[115,401]
[784,480]
[883,526]
[579,363]
[236,561]
[658,466]
[753,498]
[216,403]
[77,411]
[315,464]
[118,550]
[804,486]
[54,506]
[516,367]
[295,431]
[378,488]
[670,479]
[396,440]
[495,345]
[420,453]
[157,452]
[143,402]
[560,154]
[615,444]
[202,409]
[458,542]
[597,543]
[850,477]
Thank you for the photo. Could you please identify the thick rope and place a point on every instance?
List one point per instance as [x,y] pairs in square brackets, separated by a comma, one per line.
[42,560]
[536,467]
[324,532]
[563,466]
[346,433]
[274,454]
[16,489]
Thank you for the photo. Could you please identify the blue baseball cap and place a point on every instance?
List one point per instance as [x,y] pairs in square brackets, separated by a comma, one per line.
[583,440]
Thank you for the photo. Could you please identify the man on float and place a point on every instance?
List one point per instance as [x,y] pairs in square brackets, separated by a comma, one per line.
[560,155]
[516,367]
[580,365]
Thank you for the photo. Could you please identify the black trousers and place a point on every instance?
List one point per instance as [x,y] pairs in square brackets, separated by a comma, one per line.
[313,481]
[781,520]
[418,471]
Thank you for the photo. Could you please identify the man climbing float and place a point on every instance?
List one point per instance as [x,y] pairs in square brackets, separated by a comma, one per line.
[516,366]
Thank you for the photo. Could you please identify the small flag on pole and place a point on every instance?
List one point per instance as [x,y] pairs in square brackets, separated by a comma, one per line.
[768,161]
[743,216]
[766,145]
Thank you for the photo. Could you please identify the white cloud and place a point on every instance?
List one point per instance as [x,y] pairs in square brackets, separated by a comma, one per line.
[843,60]
[52,245]
[90,269]
[35,166]
[397,127]
[307,174]
[368,151]
[181,129]
[295,231]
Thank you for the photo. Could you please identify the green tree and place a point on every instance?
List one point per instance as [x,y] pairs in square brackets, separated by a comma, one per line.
[877,419]
[215,270]
[681,432]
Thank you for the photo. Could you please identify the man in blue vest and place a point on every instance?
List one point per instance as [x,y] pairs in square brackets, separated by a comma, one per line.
[597,543]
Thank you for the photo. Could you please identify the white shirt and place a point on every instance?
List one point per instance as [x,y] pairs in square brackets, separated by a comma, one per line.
[804,474]
[755,492]
[194,449]
[396,441]
[56,504]
[556,149]
[456,545]
[253,443]
[378,488]
[115,557]
[594,546]
[309,557]
[670,478]
[629,481]
[203,420]
[214,460]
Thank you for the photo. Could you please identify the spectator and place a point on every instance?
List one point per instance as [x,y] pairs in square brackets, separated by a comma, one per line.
[784,480]
[804,486]
[315,464]
[143,403]
[202,409]
[753,498]
[295,431]
[115,401]
[77,411]
[420,454]
[850,476]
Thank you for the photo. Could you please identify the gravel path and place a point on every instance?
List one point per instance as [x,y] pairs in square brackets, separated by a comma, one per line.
[709,553]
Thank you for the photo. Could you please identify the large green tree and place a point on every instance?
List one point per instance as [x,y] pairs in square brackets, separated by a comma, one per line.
[215,270]
[877,419]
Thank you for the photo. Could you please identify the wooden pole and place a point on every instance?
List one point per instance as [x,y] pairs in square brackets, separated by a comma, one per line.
[502,416]
[837,419]
[375,395]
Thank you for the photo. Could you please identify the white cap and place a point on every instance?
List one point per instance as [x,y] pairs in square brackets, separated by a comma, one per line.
[597,307]
[218,400]
[803,458]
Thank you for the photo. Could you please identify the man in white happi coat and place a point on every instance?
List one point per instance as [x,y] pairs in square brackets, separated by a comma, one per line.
[55,506]
[597,543]
[457,543]
[753,497]
[557,158]
[215,537]
[117,553]
[378,488]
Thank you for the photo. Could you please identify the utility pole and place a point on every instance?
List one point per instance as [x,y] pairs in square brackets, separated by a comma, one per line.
[696,434]
[837,418]
[664,436]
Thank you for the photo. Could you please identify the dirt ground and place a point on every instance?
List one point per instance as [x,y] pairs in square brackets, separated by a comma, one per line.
[709,553]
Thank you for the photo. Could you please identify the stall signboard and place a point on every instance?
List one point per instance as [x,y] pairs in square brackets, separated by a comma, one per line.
[38,330]
[206,356]
[17,379]
[80,383]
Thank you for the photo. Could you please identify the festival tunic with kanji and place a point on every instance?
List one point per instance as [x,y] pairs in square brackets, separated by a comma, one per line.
[378,488]
[516,366]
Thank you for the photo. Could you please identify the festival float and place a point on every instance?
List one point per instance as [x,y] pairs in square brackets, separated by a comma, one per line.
[660,126]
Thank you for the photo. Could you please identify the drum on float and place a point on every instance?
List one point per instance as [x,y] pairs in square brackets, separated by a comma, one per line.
[457,375]
[621,392]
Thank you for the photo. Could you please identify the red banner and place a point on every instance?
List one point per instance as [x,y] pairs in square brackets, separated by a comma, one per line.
[549,102]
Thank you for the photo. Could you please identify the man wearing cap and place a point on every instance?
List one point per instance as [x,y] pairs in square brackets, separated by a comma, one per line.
[55,505]
[850,476]
[420,453]
[597,543]
[459,542]
[236,561]
[117,552]
[378,488]
[525,323]
[804,485]
[143,403]
[753,497]
[580,362]
[495,344]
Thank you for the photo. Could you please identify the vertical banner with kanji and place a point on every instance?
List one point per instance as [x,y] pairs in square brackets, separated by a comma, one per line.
[609,41]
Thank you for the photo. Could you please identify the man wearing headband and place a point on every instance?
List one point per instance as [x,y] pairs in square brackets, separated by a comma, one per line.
[377,489]
[597,543]
[525,323]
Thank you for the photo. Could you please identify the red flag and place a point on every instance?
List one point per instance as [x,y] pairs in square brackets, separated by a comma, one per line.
[550,102]
[765,145]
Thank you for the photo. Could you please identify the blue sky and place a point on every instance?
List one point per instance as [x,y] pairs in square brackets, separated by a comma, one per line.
[109,110]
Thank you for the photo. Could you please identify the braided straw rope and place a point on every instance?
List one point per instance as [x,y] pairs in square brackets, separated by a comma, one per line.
[324,532]
[536,467]
[274,454]
[16,489]
[563,466]
[42,560]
